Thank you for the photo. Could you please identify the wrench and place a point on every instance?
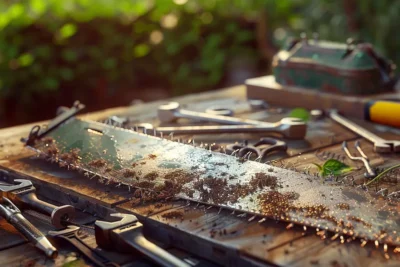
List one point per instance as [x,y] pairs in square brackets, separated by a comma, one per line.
[126,235]
[13,215]
[380,145]
[72,235]
[171,112]
[293,128]
[23,194]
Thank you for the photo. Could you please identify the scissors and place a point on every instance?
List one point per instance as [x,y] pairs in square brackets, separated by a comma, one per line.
[261,149]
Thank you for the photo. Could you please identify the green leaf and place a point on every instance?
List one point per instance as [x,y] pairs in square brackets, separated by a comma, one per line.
[318,166]
[300,113]
[333,167]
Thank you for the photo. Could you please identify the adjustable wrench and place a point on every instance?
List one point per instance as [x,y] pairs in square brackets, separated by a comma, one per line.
[289,127]
[126,235]
[380,145]
[23,195]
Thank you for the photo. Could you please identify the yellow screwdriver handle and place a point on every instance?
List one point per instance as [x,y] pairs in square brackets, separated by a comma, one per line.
[383,112]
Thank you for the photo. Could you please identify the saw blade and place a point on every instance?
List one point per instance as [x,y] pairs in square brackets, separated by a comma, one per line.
[160,169]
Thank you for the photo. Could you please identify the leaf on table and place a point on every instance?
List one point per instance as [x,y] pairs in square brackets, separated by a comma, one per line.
[300,113]
[333,167]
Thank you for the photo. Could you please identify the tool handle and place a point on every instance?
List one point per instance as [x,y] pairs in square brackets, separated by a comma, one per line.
[383,112]
[25,227]
[334,115]
[36,204]
[154,252]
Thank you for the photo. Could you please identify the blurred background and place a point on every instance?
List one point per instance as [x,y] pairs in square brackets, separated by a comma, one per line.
[109,52]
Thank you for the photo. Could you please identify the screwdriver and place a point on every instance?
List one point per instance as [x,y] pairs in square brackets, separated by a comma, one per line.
[13,215]
[383,112]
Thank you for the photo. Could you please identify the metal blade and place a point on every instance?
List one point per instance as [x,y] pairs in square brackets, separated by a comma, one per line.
[160,169]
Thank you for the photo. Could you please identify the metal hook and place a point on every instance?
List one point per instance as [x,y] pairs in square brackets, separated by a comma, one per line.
[364,159]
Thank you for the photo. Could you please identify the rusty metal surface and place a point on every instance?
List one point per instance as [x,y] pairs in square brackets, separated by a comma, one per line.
[154,165]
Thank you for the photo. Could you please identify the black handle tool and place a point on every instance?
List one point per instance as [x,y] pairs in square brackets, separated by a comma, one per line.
[126,235]
[13,215]
[23,195]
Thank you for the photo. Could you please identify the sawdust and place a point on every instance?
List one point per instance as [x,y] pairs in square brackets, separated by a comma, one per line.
[151,176]
[276,204]
[71,157]
[52,150]
[359,220]
[98,163]
[152,156]
[128,173]
[220,192]
[262,180]
[47,140]
[173,215]
[343,206]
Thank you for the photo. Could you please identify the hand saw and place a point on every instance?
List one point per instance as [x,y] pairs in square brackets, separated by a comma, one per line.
[159,169]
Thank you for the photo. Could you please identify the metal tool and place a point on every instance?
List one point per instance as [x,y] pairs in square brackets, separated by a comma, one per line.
[13,216]
[126,235]
[380,145]
[63,115]
[261,149]
[364,159]
[171,112]
[220,111]
[23,194]
[258,104]
[293,128]
[216,179]
[72,235]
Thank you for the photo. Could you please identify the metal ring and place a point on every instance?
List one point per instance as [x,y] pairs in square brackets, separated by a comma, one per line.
[220,111]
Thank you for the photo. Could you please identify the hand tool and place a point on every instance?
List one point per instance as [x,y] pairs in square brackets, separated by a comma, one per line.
[364,159]
[380,108]
[258,104]
[220,111]
[259,149]
[171,112]
[64,115]
[72,235]
[13,216]
[293,128]
[383,112]
[380,145]
[23,194]
[126,235]
[159,169]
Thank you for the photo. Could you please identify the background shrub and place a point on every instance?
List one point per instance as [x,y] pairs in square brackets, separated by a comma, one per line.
[107,53]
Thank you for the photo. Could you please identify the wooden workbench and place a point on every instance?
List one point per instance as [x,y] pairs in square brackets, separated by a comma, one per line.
[239,241]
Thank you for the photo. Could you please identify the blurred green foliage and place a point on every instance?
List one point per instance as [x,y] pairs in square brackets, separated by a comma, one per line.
[185,45]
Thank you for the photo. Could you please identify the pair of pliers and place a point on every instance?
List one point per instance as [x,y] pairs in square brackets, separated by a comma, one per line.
[261,149]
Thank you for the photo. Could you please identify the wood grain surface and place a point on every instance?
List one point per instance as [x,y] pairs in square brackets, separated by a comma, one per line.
[218,235]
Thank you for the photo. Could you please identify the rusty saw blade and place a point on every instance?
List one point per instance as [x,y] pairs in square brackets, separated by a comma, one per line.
[160,169]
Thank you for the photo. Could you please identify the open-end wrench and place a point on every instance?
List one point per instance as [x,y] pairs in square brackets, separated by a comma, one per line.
[380,145]
[171,112]
[72,235]
[22,193]
[292,128]
[126,235]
